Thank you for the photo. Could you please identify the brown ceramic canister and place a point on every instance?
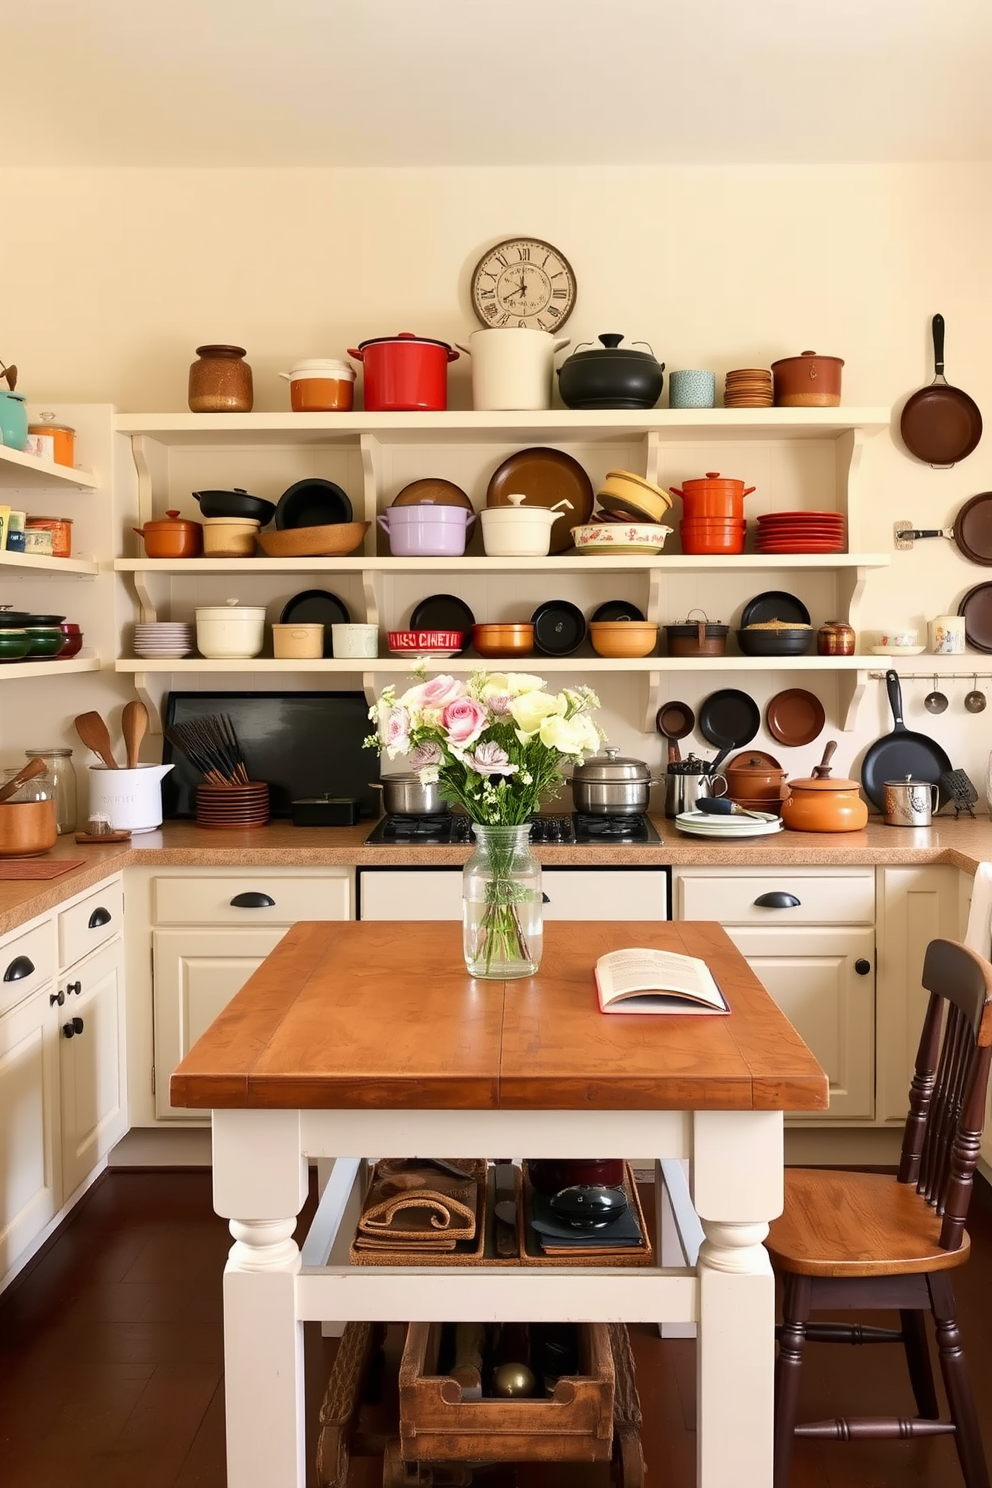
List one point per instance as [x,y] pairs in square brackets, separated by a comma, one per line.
[753,778]
[807,381]
[835,638]
[220,381]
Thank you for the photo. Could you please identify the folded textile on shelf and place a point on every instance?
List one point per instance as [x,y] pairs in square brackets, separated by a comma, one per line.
[412,1206]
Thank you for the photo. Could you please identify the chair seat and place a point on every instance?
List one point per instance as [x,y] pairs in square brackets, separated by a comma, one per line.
[840,1223]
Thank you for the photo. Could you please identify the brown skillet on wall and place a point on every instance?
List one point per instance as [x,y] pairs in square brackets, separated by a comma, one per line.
[940,424]
[972,530]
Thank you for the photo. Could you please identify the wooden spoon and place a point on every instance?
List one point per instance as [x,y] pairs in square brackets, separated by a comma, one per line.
[31,769]
[96,736]
[134,722]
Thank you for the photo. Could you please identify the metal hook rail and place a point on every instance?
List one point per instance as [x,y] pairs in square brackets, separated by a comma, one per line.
[879,676]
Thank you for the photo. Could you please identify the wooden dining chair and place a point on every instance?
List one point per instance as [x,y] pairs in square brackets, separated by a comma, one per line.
[870,1240]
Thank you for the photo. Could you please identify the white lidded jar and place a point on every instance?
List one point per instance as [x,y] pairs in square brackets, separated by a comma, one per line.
[518,531]
[321,385]
[231,631]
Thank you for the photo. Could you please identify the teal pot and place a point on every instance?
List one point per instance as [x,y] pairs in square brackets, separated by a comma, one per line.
[13,420]
[46,640]
[14,644]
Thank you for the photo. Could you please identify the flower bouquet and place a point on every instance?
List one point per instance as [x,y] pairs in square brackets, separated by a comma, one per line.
[495,745]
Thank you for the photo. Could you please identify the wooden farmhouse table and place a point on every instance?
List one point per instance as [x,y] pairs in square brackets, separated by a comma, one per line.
[369,1039]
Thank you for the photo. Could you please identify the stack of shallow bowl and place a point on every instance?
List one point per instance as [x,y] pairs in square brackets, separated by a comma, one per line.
[748,387]
[162,640]
[232,806]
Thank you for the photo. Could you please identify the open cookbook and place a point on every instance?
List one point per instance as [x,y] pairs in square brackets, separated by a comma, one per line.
[641,980]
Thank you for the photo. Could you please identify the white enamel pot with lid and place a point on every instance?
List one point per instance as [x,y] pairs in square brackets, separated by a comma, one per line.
[512,366]
[231,631]
[518,531]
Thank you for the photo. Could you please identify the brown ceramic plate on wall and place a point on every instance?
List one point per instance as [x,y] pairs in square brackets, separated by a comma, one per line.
[976,607]
[545,477]
[973,529]
[795,717]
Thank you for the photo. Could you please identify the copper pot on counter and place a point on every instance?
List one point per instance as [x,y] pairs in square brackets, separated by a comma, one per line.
[753,777]
[823,804]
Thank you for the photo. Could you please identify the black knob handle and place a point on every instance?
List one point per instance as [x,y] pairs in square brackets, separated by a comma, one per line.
[19,968]
[56,997]
[76,987]
[70,1030]
[100,916]
[253,900]
[862,967]
[777,899]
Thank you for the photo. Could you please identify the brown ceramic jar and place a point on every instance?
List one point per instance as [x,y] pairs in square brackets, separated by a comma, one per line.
[835,638]
[220,381]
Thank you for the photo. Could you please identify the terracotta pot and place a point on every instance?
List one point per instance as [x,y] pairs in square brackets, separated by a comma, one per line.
[753,778]
[822,804]
[807,381]
[172,537]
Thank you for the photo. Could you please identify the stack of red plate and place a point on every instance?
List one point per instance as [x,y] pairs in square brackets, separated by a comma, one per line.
[800,532]
[232,806]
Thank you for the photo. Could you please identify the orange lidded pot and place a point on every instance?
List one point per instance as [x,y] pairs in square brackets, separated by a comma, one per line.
[321,385]
[63,437]
[822,804]
[59,527]
[172,537]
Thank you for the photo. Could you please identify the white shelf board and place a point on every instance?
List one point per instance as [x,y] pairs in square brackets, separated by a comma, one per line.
[533,663]
[18,469]
[570,562]
[38,563]
[16,671]
[479,426]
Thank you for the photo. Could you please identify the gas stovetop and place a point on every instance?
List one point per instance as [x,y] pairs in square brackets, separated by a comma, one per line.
[449,827]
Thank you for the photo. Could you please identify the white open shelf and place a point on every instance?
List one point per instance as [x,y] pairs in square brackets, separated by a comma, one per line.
[571,562]
[18,469]
[16,671]
[530,663]
[37,563]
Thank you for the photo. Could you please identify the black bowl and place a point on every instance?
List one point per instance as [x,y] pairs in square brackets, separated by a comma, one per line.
[312,503]
[785,641]
[236,503]
[588,1206]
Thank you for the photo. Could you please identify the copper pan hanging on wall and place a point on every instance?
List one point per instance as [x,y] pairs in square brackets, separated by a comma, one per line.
[971,532]
[940,424]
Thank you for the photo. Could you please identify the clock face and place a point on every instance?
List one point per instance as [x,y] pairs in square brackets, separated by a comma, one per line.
[523,282]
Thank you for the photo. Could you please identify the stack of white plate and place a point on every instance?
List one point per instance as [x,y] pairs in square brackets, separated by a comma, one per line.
[701,824]
[162,640]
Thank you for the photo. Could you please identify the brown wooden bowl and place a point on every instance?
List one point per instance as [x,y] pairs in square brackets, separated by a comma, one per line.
[333,541]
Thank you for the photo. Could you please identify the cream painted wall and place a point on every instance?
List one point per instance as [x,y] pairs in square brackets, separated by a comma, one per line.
[112,277]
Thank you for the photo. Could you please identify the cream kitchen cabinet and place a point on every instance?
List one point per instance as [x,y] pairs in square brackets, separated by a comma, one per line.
[210,929]
[809,934]
[572,893]
[93,1080]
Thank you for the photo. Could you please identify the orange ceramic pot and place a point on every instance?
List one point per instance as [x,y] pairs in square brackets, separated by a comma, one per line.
[172,537]
[824,805]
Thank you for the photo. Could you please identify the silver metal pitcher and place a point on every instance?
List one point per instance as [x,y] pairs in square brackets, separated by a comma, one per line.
[909,802]
[687,780]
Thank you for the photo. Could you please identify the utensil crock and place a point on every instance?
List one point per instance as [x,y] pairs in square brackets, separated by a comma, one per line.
[512,366]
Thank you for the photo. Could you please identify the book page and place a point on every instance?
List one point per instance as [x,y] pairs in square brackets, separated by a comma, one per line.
[640,979]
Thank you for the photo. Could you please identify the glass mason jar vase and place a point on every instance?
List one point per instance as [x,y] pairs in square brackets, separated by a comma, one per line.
[502,904]
[58,765]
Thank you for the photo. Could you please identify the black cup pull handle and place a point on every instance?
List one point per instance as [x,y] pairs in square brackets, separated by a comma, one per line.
[100,916]
[777,899]
[253,899]
[19,968]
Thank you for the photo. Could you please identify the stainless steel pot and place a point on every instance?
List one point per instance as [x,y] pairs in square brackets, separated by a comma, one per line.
[689,779]
[408,795]
[910,803]
[610,785]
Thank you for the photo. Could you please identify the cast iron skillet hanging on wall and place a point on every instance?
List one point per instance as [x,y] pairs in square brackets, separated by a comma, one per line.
[900,753]
[940,424]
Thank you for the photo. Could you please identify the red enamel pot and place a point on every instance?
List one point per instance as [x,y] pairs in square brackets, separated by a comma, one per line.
[712,496]
[405,373]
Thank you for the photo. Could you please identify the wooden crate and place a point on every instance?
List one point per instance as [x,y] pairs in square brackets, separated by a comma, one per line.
[573,1425]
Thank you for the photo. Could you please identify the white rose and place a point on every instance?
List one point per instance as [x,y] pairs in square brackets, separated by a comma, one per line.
[529,710]
[519,683]
[564,734]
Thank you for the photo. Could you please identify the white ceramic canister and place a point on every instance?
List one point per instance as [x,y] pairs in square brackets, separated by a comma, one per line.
[230,632]
[131,800]
[947,635]
[229,537]
[518,531]
[512,366]
[321,385]
[355,640]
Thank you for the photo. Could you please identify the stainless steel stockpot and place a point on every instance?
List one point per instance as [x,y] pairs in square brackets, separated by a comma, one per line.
[610,785]
[408,795]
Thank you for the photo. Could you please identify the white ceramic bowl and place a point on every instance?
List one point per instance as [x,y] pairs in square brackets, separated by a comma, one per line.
[900,639]
[230,632]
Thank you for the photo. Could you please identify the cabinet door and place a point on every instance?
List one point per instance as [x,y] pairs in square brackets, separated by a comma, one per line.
[30,1159]
[94,1085]
[573,893]
[196,973]
[813,976]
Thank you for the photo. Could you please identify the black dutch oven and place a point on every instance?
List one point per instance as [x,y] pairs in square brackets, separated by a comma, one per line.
[611,376]
[236,503]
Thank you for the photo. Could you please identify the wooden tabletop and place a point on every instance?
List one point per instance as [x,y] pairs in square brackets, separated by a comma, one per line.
[382,1014]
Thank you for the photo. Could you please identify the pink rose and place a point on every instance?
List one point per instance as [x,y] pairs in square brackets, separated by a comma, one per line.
[463,720]
[395,731]
[435,693]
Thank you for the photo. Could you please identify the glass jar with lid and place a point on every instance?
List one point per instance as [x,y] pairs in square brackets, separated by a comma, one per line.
[59,770]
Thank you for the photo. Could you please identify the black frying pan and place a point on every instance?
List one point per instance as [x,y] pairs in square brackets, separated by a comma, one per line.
[901,753]
[729,719]
[940,424]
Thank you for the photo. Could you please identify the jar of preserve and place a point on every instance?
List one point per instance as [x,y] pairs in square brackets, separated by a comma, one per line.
[220,381]
[59,527]
[835,638]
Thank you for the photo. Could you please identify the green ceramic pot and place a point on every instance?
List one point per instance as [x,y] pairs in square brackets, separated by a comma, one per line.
[14,644]
[46,640]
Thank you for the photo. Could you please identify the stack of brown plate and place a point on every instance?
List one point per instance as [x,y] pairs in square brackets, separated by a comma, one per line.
[232,806]
[800,532]
[748,387]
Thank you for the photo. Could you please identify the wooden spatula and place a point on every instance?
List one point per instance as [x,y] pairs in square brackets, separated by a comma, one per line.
[96,736]
[31,769]
[134,722]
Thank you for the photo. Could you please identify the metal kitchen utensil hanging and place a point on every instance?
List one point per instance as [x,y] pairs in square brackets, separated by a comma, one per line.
[940,423]
[900,753]
[935,701]
[975,700]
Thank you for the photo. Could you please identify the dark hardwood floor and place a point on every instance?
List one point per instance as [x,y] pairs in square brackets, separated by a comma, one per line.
[111,1362]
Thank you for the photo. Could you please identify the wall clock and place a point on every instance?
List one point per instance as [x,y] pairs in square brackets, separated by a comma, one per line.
[523,282]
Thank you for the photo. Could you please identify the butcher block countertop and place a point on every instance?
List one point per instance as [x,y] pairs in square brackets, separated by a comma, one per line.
[961,844]
[307,1030]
